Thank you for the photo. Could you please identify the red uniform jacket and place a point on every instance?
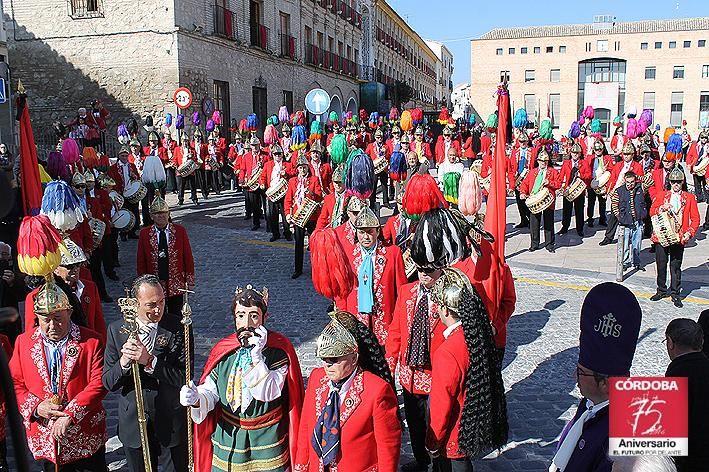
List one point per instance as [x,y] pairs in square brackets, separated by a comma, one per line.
[390,229]
[161,153]
[693,155]
[397,346]
[389,276]
[441,155]
[115,173]
[81,235]
[328,209]
[553,184]
[314,192]
[635,166]
[688,209]
[347,235]
[450,366]
[286,172]
[584,172]
[90,305]
[100,206]
[391,147]
[181,262]
[362,140]
[178,157]
[80,388]
[249,162]
[468,151]
[510,168]
[617,143]
[7,348]
[425,149]
[514,159]
[325,176]
[659,176]
[370,434]
[373,152]
[485,143]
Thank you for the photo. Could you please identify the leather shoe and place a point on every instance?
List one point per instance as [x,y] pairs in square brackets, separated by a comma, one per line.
[605,242]
[652,249]
[414,466]
[533,248]
[678,303]
[255,227]
[522,225]
[274,238]
[658,296]
[563,231]
[640,268]
[296,274]
[247,217]
[580,233]
[590,223]
[289,237]
[551,248]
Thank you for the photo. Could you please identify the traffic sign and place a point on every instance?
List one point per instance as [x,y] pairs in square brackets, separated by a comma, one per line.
[317,101]
[208,106]
[3,98]
[182,97]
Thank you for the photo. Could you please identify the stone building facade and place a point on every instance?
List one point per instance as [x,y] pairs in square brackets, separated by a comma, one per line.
[444,73]
[240,56]
[661,65]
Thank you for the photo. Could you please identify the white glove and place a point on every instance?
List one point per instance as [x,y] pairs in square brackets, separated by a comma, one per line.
[189,396]
[258,343]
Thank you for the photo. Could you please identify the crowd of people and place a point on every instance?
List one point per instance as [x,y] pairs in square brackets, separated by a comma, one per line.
[411,305]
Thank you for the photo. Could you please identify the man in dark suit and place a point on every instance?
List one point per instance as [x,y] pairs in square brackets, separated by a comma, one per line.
[685,339]
[160,352]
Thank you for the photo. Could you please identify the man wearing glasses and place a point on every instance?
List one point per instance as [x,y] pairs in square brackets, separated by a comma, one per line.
[610,325]
[697,158]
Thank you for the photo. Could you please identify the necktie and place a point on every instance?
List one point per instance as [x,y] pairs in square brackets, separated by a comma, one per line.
[365,274]
[570,437]
[419,355]
[146,336]
[326,435]
[55,365]
[538,181]
[163,260]
[522,160]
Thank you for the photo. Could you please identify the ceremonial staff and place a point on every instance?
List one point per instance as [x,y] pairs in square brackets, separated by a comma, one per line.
[129,310]
[187,323]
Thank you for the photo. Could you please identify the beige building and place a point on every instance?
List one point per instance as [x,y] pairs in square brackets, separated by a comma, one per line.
[444,73]
[662,65]
[238,56]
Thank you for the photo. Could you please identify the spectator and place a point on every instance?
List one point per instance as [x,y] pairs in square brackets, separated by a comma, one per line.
[704,323]
[643,464]
[11,290]
[685,339]
[632,211]
[7,163]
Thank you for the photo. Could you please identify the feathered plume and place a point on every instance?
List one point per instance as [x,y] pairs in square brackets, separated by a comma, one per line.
[394,114]
[59,129]
[595,126]
[575,130]
[133,128]
[56,166]
[149,125]
[673,150]
[582,120]
[617,121]
[642,126]
[492,122]
[210,125]
[70,151]
[359,175]
[123,134]
[668,133]
[450,187]
[632,111]
[471,121]
[545,129]
[168,120]
[272,120]
[417,116]
[374,120]
[62,206]
[444,117]
[252,122]
[407,123]
[421,195]
[520,119]
[469,193]
[234,125]
[180,121]
[196,120]
[647,117]
[631,129]
[89,157]
[217,117]
[298,139]
[38,246]
[439,240]
[333,276]
[270,135]
[338,149]
[283,115]
[299,118]
[588,112]
[315,131]
[333,118]
[397,166]
[242,127]
[363,115]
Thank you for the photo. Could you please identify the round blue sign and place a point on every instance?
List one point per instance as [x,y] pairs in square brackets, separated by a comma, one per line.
[317,101]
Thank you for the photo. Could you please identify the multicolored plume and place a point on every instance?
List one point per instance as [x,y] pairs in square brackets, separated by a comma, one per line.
[373,120]
[450,187]
[492,122]
[299,118]
[338,149]
[270,134]
[394,114]
[617,121]
[359,175]
[252,122]
[315,131]
[417,116]
[242,127]
[632,111]
[673,150]
[397,166]
[62,206]
[333,118]
[332,273]
[168,119]
[38,246]
[298,139]
[123,134]
[444,117]
[439,240]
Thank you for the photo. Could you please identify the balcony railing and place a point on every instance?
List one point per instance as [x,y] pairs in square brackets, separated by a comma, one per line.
[287,46]
[224,22]
[85,8]
[329,60]
[259,36]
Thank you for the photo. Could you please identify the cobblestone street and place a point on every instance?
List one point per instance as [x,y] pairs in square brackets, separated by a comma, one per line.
[543,332]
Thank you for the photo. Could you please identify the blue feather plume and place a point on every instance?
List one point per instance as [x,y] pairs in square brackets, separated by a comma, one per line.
[472,119]
[252,122]
[575,130]
[674,144]
[168,119]
[180,121]
[298,137]
[520,119]
[63,206]
[359,176]
[397,166]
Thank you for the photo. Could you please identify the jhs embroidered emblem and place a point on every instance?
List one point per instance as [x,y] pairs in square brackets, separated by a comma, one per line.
[349,402]
[72,351]
[161,340]
[608,326]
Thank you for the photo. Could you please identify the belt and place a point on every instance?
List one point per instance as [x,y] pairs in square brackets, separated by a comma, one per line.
[270,418]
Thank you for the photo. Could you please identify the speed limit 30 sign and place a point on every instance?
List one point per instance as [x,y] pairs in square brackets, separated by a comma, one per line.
[182,97]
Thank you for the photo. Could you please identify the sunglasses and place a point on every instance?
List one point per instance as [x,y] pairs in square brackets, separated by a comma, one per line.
[332,360]
[426,270]
[79,186]
[581,373]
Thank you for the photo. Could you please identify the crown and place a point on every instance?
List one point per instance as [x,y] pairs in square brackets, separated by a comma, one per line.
[263,294]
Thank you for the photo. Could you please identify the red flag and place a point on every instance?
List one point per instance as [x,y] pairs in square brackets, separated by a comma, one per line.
[496,213]
[31,185]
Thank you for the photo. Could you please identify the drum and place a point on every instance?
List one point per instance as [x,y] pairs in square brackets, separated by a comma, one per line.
[304,212]
[614,200]
[701,168]
[252,184]
[187,168]
[123,220]
[540,201]
[665,227]
[409,264]
[98,229]
[598,184]
[276,192]
[117,199]
[648,182]
[575,190]
[135,191]
[380,165]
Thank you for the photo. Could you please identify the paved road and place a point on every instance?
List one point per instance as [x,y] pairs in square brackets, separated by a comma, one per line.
[543,333]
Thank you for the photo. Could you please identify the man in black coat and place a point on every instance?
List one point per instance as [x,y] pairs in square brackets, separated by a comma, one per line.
[685,339]
[632,212]
[160,352]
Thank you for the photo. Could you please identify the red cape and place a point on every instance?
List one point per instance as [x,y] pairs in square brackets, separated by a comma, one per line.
[294,381]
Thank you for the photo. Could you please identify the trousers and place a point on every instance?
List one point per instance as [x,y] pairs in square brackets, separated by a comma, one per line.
[182,183]
[300,244]
[674,255]
[416,412]
[174,457]
[632,242]
[577,208]
[535,222]
[592,197]
[95,463]
[444,464]
[254,199]
[276,211]
[523,209]
[700,191]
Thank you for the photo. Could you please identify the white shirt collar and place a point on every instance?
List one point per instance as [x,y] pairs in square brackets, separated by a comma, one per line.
[449,330]
[346,386]
[79,289]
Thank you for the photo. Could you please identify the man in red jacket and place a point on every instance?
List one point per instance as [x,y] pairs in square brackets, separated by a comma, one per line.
[251,167]
[536,180]
[617,179]
[302,189]
[123,172]
[99,203]
[333,212]
[320,170]
[275,175]
[164,251]
[443,145]
[572,169]
[523,159]
[420,147]
[414,335]
[600,162]
[56,370]
[682,205]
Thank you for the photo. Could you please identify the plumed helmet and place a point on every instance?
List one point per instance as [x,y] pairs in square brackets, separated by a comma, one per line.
[576,148]
[78,179]
[449,287]
[366,219]
[71,253]
[355,205]
[50,299]
[676,175]
[335,340]
[159,205]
